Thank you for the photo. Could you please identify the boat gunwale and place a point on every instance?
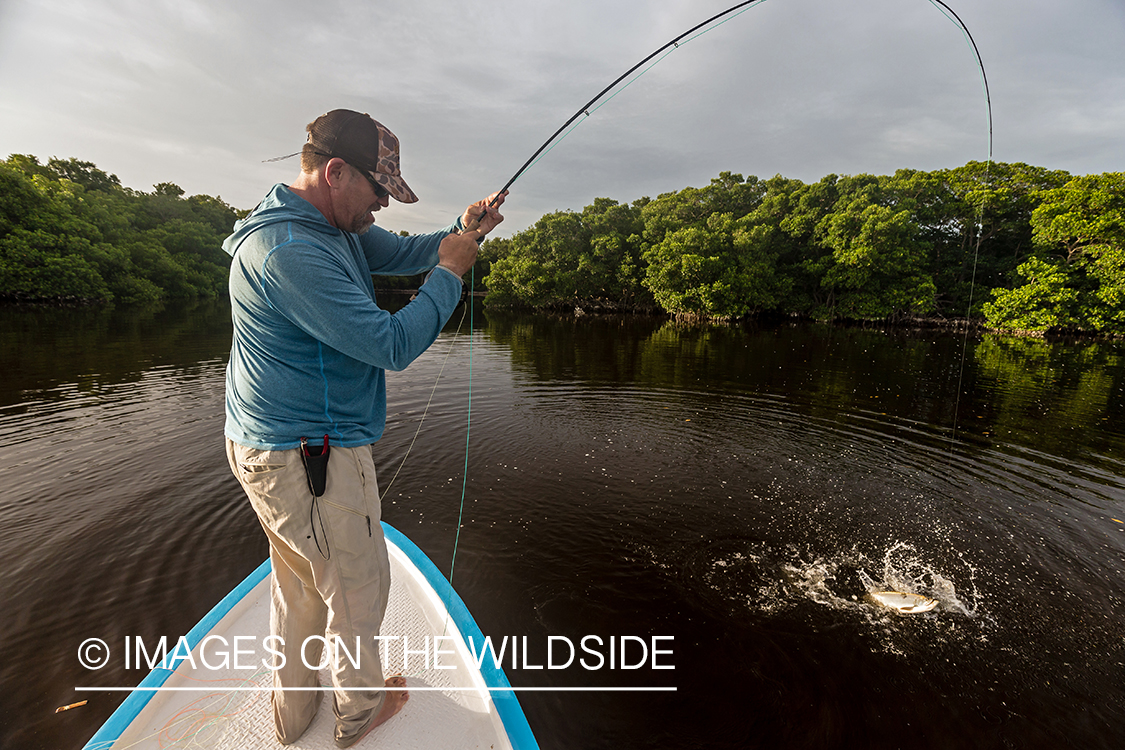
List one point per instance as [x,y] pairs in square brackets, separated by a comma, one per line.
[505,701]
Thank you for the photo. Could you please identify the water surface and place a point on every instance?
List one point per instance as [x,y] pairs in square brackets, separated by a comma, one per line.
[738,488]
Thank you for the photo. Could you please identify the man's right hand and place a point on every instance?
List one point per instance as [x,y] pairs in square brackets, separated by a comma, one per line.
[458,252]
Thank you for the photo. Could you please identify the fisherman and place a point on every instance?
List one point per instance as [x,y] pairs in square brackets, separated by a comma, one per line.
[306,376]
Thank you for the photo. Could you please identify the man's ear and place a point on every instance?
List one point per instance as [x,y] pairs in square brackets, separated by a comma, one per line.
[334,172]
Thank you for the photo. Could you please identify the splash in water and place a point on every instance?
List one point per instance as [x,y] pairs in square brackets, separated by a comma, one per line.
[847,581]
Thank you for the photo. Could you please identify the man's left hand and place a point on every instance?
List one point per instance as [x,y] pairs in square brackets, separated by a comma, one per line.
[482,216]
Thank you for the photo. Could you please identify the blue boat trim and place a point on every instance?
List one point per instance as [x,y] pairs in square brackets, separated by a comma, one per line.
[507,705]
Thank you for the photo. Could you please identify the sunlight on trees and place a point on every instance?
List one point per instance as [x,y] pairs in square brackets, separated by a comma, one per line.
[1046,254]
[69,231]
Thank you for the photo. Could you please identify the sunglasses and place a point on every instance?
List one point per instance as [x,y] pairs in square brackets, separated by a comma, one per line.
[380,191]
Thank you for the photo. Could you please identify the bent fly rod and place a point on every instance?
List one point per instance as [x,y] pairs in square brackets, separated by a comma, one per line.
[675,43]
[585,110]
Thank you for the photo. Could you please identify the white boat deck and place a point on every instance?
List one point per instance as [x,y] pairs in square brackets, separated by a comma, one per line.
[453,710]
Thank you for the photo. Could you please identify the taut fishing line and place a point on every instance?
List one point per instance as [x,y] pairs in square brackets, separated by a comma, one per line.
[667,49]
[952,16]
[655,57]
[430,400]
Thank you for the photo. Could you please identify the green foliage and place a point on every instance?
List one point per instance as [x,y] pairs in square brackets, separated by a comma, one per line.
[1044,302]
[36,264]
[568,259]
[878,267]
[726,268]
[1020,246]
[1086,215]
[68,230]
[83,173]
[984,225]
[1077,278]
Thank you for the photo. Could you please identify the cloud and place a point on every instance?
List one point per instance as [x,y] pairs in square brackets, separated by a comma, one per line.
[200,92]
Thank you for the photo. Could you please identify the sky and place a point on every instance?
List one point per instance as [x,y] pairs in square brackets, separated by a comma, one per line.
[202,92]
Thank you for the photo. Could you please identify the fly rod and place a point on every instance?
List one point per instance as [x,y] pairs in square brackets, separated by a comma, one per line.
[584,109]
[675,43]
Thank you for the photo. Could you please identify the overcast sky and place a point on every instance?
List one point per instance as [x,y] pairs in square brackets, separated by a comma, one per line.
[200,92]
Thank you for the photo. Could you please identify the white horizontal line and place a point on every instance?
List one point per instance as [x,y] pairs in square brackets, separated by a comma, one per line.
[409,688]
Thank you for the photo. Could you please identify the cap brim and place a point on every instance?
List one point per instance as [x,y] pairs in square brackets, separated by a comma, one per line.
[397,187]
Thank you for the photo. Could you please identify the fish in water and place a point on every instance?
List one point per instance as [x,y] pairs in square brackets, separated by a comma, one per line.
[903,602]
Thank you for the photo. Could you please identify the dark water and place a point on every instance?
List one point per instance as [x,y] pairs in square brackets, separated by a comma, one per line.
[740,489]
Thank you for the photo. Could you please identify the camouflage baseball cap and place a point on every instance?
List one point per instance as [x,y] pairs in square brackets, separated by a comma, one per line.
[365,144]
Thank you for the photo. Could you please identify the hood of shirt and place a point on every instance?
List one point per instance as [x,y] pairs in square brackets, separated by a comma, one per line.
[280,205]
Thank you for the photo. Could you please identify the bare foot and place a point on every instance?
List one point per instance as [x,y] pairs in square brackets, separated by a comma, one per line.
[393,702]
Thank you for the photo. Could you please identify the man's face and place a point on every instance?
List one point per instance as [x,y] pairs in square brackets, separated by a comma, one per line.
[366,197]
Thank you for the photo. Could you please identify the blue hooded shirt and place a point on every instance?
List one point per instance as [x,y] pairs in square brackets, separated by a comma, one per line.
[310,344]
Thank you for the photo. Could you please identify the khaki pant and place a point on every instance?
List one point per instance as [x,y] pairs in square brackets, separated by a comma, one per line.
[344,595]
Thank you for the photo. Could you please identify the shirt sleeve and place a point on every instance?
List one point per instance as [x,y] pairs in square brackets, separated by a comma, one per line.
[390,254]
[315,292]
